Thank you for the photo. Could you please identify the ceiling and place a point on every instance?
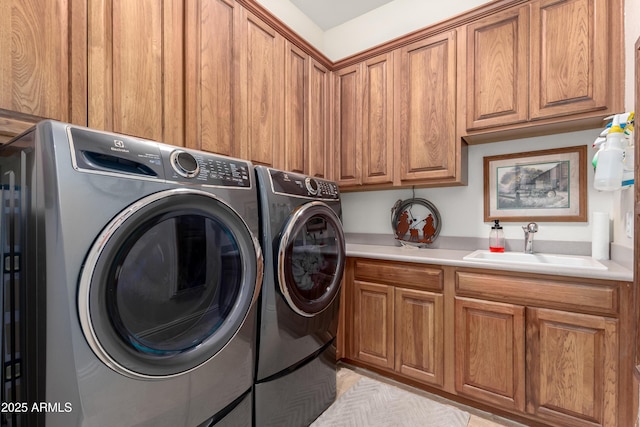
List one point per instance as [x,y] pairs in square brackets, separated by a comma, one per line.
[330,13]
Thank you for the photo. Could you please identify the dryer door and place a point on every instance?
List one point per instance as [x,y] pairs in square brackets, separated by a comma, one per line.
[311,258]
[168,284]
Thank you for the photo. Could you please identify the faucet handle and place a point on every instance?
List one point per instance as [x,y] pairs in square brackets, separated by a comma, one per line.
[532,227]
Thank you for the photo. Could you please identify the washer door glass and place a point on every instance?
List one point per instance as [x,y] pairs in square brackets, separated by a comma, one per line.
[311,258]
[168,283]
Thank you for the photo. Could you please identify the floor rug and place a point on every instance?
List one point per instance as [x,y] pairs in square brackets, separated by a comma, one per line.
[372,403]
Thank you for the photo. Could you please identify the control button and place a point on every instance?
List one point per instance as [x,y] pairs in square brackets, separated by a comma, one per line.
[312,186]
[184,163]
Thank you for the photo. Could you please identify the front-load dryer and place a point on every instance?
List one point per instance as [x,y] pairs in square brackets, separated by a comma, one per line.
[304,251]
[130,275]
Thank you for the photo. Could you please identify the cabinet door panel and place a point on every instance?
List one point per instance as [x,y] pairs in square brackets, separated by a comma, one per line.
[427,113]
[212,34]
[348,125]
[261,70]
[377,120]
[569,53]
[419,335]
[43,66]
[318,119]
[135,68]
[295,118]
[373,339]
[497,69]
[573,367]
[490,352]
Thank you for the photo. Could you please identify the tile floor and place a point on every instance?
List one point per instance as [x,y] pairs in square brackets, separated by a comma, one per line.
[347,376]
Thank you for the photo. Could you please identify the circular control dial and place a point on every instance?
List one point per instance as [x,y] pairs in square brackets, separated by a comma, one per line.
[312,186]
[184,163]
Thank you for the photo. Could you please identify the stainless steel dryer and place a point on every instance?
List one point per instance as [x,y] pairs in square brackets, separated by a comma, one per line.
[131,270]
[304,250]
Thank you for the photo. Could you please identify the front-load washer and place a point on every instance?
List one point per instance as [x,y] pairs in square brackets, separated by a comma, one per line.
[130,274]
[304,251]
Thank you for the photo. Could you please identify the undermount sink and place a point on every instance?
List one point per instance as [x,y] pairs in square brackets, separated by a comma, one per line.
[549,260]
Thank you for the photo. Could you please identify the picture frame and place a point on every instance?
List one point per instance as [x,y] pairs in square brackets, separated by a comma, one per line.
[545,185]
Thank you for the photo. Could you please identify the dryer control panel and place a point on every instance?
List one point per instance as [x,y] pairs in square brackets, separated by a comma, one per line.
[295,184]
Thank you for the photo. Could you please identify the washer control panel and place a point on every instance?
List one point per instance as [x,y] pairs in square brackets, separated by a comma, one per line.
[113,154]
[210,169]
[295,184]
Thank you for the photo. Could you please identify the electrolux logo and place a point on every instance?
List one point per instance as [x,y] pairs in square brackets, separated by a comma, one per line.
[118,145]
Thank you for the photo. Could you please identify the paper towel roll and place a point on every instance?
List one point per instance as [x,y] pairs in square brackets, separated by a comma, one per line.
[600,235]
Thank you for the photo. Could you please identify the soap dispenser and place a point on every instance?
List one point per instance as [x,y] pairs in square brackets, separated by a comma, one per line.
[496,237]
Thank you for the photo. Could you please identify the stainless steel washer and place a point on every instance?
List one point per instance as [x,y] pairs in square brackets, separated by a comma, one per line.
[304,252]
[135,270]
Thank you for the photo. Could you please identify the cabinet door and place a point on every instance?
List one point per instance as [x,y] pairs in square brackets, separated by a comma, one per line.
[347,125]
[569,42]
[372,333]
[426,113]
[377,120]
[489,348]
[497,69]
[261,94]
[419,351]
[212,90]
[135,78]
[573,370]
[43,66]
[318,157]
[296,82]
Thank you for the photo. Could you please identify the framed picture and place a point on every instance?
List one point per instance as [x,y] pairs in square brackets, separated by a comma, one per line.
[546,185]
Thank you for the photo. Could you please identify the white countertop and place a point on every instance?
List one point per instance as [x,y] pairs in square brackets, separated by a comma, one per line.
[455,257]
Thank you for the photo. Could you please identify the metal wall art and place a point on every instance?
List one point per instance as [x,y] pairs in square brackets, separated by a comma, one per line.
[415,222]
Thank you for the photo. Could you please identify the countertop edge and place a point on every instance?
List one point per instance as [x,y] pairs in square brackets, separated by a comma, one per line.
[454,257]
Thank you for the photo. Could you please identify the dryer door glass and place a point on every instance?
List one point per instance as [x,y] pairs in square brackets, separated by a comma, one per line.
[311,258]
[171,285]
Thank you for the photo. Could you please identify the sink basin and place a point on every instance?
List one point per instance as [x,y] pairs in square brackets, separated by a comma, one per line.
[549,260]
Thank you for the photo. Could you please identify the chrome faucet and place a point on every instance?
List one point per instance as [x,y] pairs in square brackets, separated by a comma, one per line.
[529,230]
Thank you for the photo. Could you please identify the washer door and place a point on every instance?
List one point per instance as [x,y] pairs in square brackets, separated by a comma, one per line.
[168,284]
[311,258]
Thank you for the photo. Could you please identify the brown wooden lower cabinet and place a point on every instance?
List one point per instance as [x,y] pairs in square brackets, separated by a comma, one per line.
[572,367]
[398,328]
[419,330]
[373,341]
[547,348]
[489,343]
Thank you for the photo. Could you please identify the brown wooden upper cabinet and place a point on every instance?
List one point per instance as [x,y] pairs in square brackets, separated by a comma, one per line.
[552,63]
[296,76]
[306,113]
[395,118]
[363,123]
[135,68]
[37,72]
[347,126]
[212,81]
[429,150]
[260,125]
[317,155]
